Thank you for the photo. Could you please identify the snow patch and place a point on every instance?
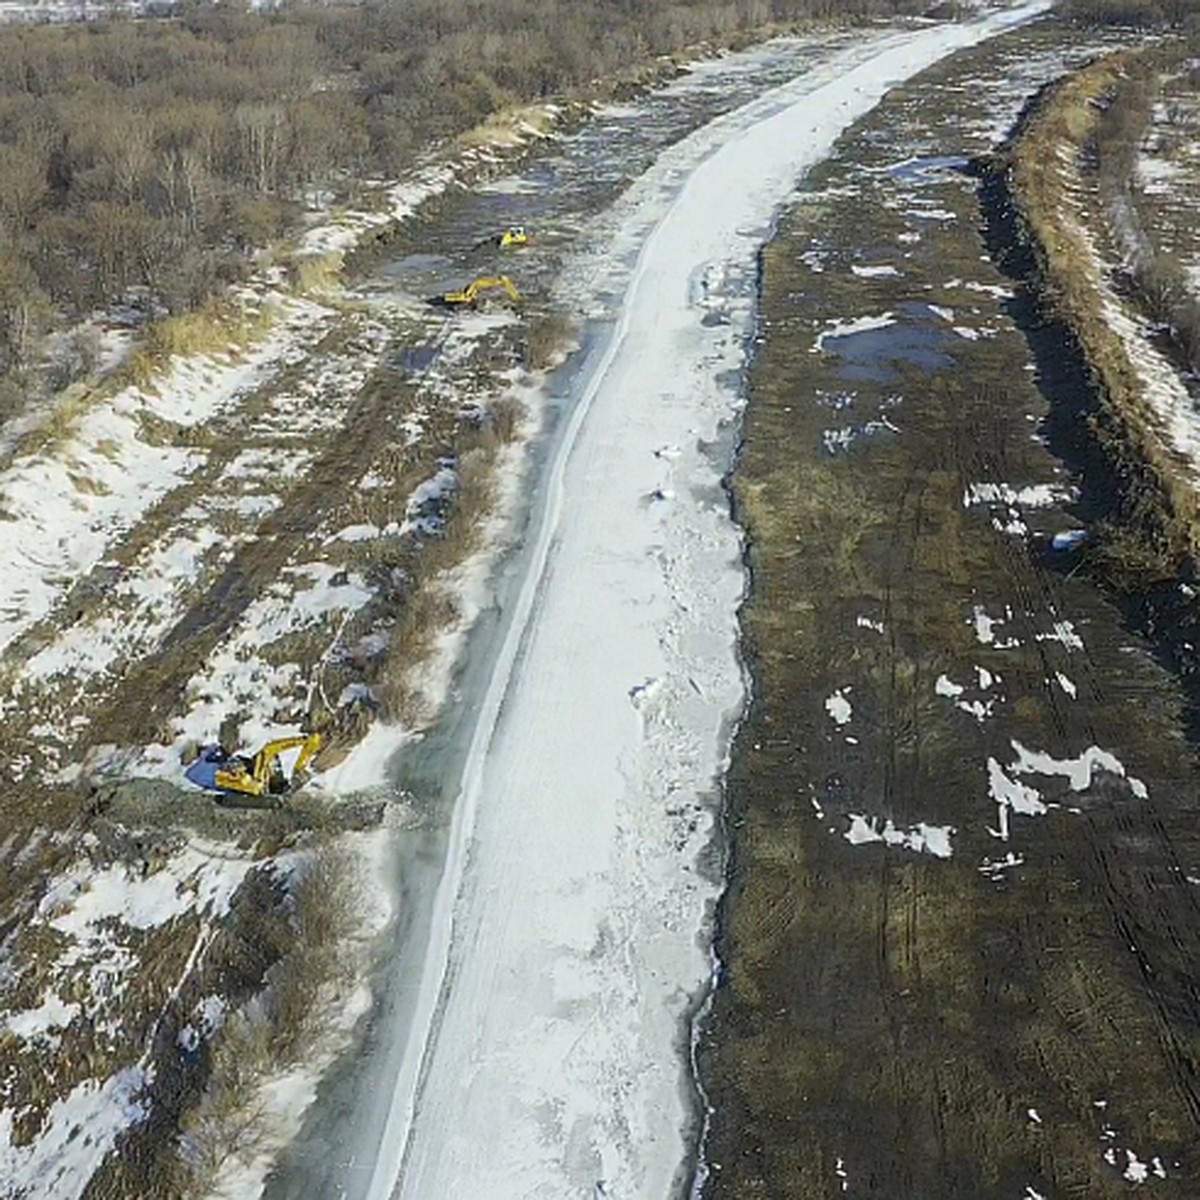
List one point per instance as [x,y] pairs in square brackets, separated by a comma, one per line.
[1037,495]
[79,1131]
[838,707]
[850,326]
[920,838]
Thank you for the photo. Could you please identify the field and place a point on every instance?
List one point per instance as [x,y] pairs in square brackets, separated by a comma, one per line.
[962,917]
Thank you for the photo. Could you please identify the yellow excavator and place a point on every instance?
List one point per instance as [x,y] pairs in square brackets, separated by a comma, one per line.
[469,296]
[259,774]
[509,238]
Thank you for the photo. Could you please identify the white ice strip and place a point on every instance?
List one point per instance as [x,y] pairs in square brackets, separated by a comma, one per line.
[850,326]
[994,868]
[1037,495]
[562,957]
[1164,390]
[1077,771]
[921,838]
[981,710]
[1011,795]
[1011,525]
[1064,633]
[985,626]
[945,686]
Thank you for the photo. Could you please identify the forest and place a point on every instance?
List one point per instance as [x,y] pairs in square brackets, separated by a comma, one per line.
[142,162]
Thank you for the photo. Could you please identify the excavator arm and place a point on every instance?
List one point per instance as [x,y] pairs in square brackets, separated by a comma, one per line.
[266,761]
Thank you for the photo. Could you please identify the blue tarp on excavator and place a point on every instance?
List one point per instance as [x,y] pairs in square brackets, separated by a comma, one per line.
[203,771]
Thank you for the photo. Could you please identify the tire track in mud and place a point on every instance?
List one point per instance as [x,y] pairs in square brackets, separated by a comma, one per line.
[1018,1018]
[1035,587]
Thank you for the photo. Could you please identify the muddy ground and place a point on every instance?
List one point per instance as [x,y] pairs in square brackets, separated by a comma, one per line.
[962,938]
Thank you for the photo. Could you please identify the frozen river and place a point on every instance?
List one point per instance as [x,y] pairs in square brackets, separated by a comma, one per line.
[531,1036]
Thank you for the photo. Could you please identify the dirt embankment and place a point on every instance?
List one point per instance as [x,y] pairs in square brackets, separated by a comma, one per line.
[1070,219]
[1050,166]
[963,923]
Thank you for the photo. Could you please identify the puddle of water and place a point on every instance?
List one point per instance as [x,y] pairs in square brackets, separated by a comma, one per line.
[416,264]
[415,359]
[873,354]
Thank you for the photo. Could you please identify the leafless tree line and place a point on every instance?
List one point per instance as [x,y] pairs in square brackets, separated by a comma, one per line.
[143,160]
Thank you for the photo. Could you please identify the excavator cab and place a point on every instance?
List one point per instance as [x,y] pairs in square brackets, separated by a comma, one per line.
[470,296]
[237,776]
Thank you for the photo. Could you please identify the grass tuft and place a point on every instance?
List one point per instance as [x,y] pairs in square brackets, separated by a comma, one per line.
[232,1122]
[314,274]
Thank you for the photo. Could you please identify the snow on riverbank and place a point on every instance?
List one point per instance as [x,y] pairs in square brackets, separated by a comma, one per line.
[570,933]
[115,521]
[75,495]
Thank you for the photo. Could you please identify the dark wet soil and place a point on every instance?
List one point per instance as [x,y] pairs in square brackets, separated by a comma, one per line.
[1020,1019]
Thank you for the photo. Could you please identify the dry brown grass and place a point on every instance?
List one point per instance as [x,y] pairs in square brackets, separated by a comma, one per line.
[1158,279]
[1161,509]
[220,325]
[547,339]
[313,274]
[232,1122]
[427,611]
[60,420]
[424,606]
